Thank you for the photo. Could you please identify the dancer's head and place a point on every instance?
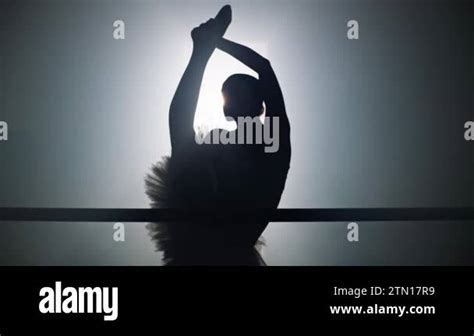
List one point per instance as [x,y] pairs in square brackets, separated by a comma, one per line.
[242,96]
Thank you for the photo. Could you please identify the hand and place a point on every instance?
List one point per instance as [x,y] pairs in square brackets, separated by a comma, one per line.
[206,36]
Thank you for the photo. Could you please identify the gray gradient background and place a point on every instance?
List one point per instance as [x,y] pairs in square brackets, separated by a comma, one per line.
[377,122]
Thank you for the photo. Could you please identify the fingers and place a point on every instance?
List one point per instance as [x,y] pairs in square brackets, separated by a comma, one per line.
[225,14]
[214,27]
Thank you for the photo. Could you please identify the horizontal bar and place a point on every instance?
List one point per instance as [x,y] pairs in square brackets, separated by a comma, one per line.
[271,215]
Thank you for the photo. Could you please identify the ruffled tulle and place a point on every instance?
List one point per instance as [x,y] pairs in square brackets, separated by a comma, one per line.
[190,242]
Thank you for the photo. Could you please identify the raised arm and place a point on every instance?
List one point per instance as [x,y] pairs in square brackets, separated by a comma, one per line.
[273,97]
[183,105]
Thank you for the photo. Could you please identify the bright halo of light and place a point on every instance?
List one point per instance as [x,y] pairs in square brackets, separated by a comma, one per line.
[209,114]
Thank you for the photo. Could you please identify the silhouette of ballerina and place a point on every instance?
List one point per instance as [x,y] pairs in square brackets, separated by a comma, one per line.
[219,176]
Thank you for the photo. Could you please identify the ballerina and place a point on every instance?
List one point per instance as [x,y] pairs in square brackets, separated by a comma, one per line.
[219,177]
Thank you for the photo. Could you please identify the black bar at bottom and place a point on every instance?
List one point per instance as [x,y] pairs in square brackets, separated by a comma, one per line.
[195,298]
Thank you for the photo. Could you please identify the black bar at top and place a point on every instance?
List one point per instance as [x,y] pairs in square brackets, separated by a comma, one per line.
[272,215]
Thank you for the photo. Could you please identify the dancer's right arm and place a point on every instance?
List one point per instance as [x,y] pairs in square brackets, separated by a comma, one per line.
[183,105]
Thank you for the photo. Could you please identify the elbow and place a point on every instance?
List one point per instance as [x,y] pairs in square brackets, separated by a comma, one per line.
[265,64]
